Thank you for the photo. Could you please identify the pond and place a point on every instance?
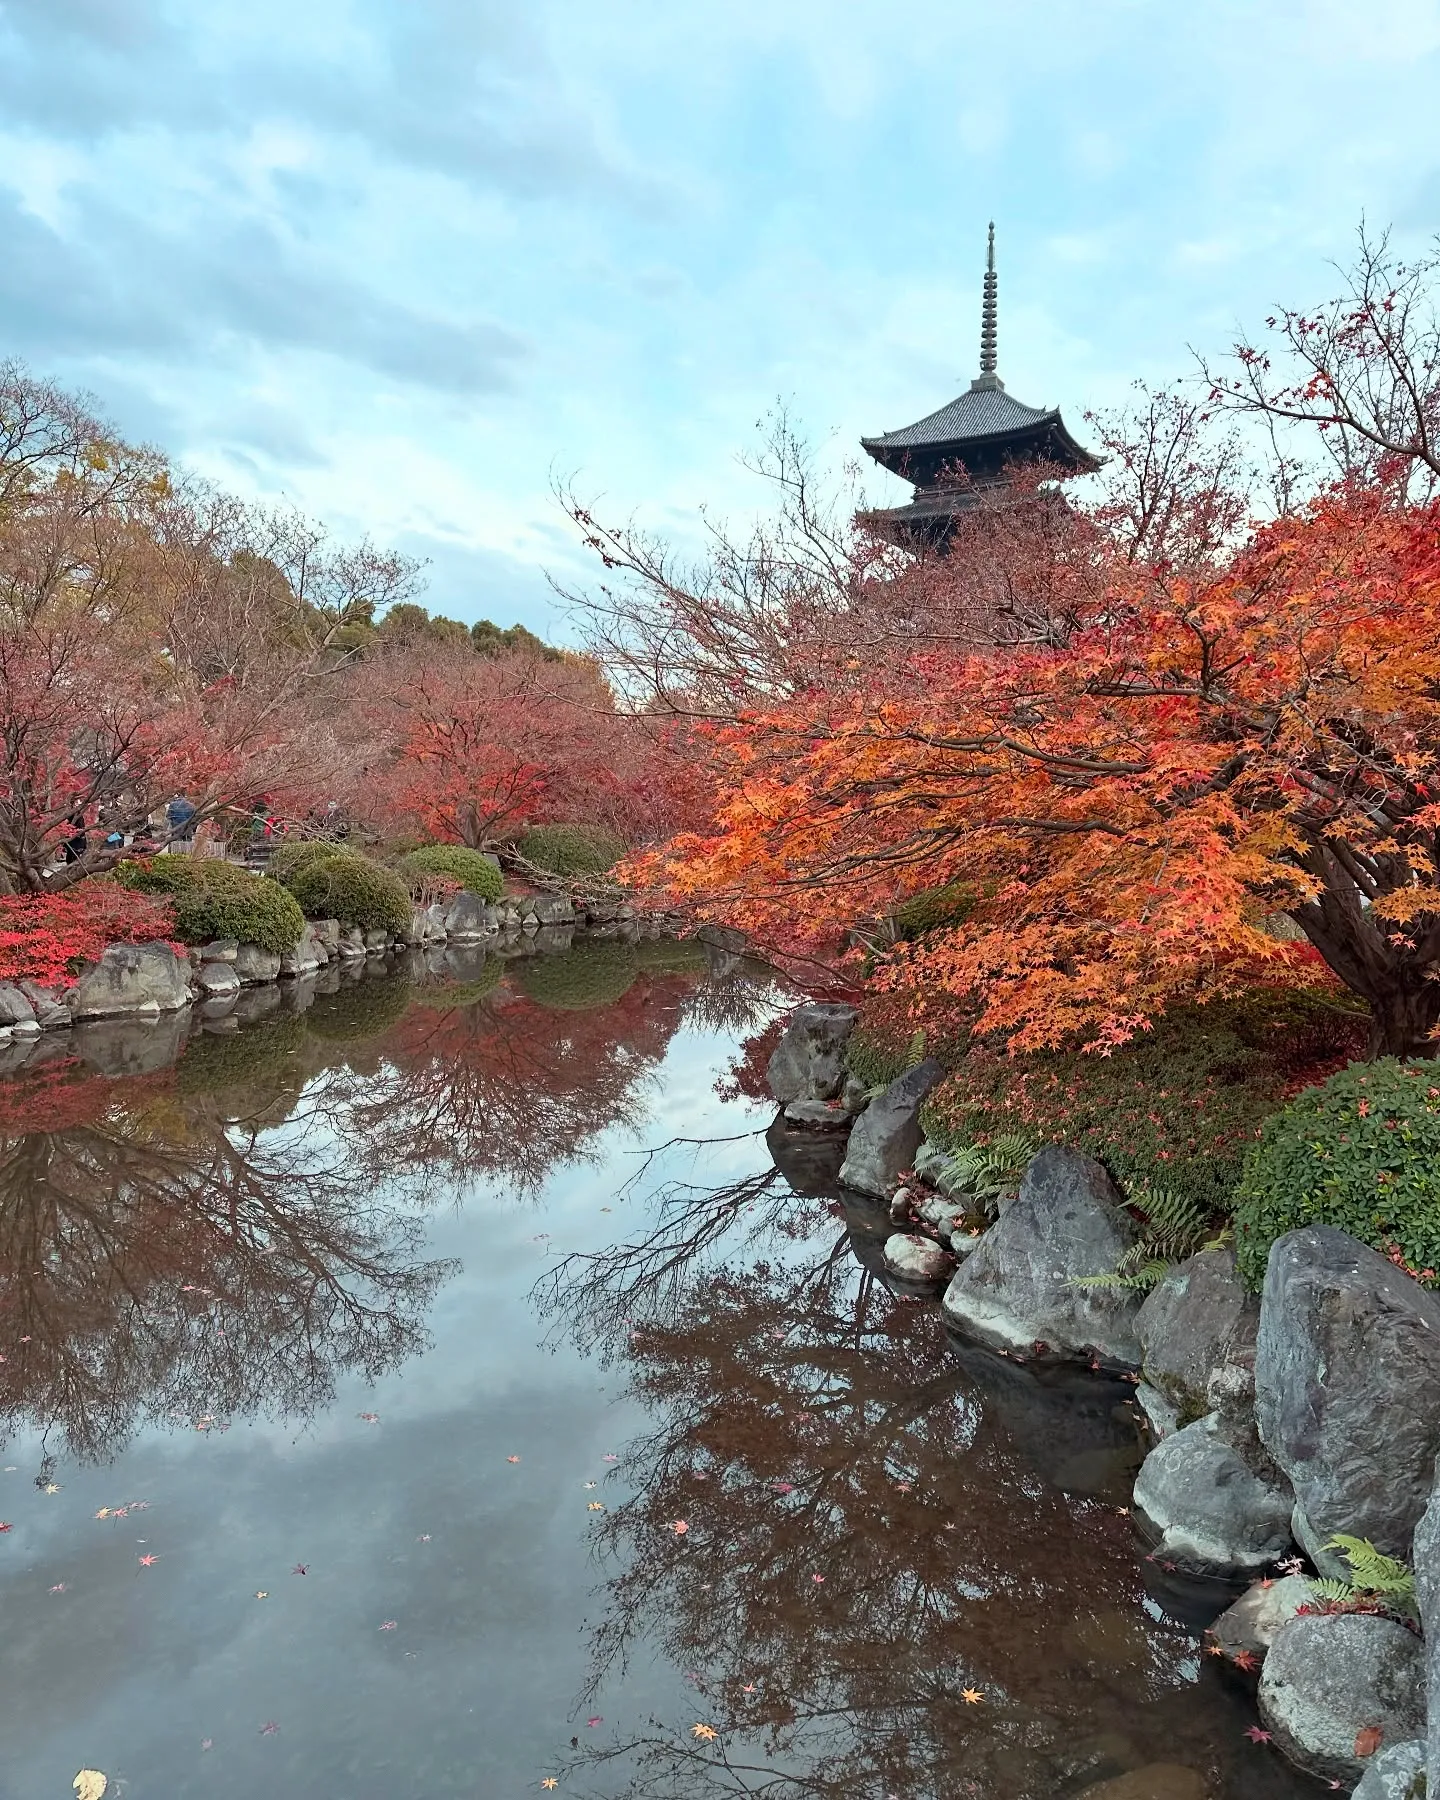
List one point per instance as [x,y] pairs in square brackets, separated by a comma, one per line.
[432,1389]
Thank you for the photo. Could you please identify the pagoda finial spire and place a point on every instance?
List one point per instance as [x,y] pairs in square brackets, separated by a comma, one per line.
[989,316]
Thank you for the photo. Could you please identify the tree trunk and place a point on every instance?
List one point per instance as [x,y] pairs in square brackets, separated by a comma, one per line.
[1403,1020]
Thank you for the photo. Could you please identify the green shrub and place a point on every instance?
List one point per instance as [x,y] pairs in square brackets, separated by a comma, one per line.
[217,899]
[475,873]
[577,980]
[346,887]
[293,854]
[571,849]
[1361,1152]
[1177,1107]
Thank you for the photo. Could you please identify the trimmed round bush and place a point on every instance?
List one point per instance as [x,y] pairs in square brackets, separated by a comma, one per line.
[216,899]
[577,980]
[475,873]
[1360,1152]
[571,849]
[293,854]
[346,887]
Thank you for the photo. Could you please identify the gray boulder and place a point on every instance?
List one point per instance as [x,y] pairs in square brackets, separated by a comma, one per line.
[1198,1319]
[327,931]
[1394,1773]
[1330,1676]
[51,1012]
[915,1258]
[818,1115]
[133,978]
[1426,1564]
[1249,1626]
[1347,1385]
[1018,1288]
[809,1061]
[219,950]
[217,978]
[1212,1511]
[15,1009]
[554,909]
[254,964]
[887,1134]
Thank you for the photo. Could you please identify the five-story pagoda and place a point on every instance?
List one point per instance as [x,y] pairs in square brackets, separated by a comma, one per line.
[971,448]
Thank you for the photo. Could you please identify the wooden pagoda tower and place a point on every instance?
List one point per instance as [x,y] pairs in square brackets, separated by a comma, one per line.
[957,457]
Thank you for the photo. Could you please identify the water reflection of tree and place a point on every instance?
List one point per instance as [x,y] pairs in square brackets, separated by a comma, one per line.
[159,1259]
[502,1085]
[810,1424]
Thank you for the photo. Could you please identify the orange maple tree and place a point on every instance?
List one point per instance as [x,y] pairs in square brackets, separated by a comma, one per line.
[1130,801]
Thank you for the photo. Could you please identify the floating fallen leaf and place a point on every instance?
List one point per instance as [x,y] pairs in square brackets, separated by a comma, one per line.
[369,1418]
[749,1688]
[679,1527]
[1247,1660]
[1256,1735]
[609,1456]
[784,1487]
[207,1743]
[549,1782]
[971,1696]
[5,1525]
[706,1732]
[147,1561]
[590,1484]
[595,1506]
[301,1569]
[512,1459]
[90,1784]
[1368,1740]
[817,1577]
[59,1587]
[51,1487]
[424,1538]
[389,1625]
[262,1593]
[269,1728]
[597,1720]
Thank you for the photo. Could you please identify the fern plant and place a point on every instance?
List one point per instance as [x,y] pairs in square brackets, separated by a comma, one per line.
[1174,1226]
[1377,1581]
[993,1171]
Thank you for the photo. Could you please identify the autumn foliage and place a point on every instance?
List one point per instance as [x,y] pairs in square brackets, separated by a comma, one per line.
[47,937]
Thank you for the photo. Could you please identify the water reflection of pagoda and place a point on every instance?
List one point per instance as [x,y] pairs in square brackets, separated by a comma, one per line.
[970,449]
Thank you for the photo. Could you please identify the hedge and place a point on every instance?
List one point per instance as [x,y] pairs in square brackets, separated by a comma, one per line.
[217,899]
[1360,1152]
[349,888]
[571,849]
[475,873]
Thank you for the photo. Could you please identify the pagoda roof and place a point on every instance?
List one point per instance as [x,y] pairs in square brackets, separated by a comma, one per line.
[980,412]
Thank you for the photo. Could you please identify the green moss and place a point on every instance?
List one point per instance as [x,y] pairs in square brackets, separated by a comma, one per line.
[354,891]
[571,849]
[579,979]
[1360,1152]
[217,899]
[476,873]
[877,1059]
[934,909]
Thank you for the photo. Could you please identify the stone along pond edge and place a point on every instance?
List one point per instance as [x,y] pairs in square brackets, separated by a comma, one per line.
[1276,1422]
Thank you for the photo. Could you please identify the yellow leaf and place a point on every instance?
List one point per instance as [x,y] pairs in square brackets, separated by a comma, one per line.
[971,1696]
[705,1731]
[89,1784]
[549,1782]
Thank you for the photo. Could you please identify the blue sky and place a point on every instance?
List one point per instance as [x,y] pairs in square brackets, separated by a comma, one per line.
[405,261]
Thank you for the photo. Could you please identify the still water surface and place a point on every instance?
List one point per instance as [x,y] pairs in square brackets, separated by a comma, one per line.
[439,1391]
